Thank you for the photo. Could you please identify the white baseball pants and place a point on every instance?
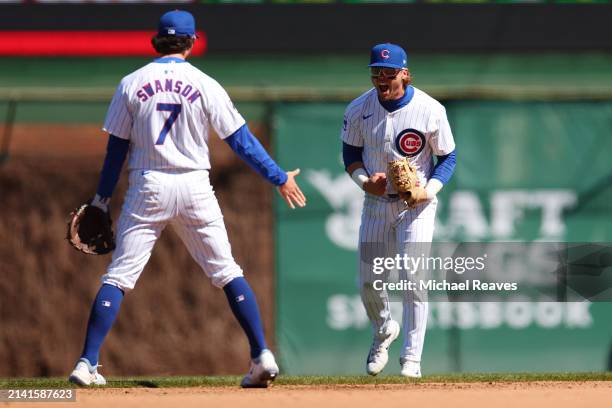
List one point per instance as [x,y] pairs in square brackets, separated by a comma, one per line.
[184,199]
[388,229]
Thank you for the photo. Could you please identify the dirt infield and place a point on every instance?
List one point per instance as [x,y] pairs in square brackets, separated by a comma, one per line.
[473,395]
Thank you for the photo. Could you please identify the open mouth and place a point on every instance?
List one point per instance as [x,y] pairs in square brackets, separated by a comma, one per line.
[383,88]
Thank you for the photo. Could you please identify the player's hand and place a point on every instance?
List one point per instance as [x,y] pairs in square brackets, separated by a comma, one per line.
[291,191]
[376,184]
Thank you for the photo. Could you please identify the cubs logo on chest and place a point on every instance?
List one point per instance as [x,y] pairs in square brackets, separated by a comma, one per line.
[409,142]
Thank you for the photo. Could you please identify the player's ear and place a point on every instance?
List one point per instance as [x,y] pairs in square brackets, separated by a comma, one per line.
[407,79]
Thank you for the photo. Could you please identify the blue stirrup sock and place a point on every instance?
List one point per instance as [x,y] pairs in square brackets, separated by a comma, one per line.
[244,305]
[106,306]
[103,313]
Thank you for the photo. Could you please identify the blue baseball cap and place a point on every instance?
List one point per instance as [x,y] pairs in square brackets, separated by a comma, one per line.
[388,55]
[177,23]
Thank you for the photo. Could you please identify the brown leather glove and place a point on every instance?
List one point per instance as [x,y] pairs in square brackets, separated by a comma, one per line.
[404,178]
[90,230]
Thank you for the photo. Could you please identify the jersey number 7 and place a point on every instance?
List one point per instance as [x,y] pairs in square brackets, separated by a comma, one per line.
[175,110]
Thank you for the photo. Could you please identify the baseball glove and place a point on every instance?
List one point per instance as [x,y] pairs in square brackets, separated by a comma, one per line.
[404,178]
[90,230]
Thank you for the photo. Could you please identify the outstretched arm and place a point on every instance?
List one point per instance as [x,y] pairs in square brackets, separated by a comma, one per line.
[246,145]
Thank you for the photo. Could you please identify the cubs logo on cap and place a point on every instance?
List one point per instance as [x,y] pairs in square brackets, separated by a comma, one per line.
[388,55]
[177,23]
[410,142]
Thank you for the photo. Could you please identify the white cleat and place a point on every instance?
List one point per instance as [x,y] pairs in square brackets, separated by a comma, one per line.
[263,371]
[410,369]
[379,352]
[85,374]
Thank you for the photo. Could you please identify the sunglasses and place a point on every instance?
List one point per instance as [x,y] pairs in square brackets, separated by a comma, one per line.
[388,73]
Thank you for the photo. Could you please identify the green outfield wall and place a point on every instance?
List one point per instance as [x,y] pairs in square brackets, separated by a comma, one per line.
[527,171]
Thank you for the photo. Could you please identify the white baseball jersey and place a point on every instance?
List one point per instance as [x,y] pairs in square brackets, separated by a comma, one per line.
[166,111]
[418,131]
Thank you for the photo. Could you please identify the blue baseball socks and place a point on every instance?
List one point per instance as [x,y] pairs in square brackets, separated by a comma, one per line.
[106,306]
[103,313]
[244,305]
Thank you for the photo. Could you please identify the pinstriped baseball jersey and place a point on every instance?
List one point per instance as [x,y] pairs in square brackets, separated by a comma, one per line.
[417,131]
[166,110]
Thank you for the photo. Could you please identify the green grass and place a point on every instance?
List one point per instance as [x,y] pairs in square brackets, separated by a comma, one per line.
[232,381]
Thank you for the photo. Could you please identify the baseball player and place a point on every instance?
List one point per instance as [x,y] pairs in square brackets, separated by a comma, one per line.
[163,114]
[391,121]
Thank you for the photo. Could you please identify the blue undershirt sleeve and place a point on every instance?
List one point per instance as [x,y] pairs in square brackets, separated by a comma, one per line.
[351,154]
[246,145]
[445,167]
[116,152]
